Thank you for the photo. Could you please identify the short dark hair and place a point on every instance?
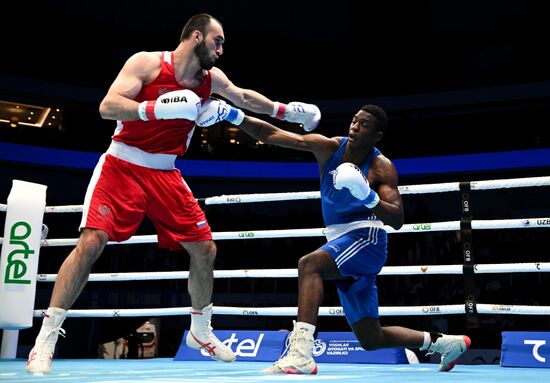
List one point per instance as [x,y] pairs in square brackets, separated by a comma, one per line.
[198,22]
[379,114]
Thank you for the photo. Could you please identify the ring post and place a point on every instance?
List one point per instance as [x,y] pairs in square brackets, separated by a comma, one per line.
[9,344]
[19,260]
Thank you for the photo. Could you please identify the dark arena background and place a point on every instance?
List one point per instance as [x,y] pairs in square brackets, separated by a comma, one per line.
[466,86]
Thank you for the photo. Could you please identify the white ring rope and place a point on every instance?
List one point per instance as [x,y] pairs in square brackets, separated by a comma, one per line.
[482,308]
[261,197]
[534,267]
[404,189]
[520,223]
[287,273]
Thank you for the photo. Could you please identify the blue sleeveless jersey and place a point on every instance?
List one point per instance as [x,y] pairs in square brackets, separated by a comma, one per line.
[339,206]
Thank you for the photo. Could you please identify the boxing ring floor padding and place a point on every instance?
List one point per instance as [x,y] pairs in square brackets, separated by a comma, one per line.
[165,370]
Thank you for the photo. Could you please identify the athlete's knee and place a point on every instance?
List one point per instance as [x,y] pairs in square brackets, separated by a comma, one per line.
[91,243]
[369,333]
[203,252]
[209,250]
[371,342]
[317,262]
[308,264]
[370,345]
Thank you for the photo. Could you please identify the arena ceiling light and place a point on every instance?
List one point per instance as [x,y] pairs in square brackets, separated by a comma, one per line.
[36,116]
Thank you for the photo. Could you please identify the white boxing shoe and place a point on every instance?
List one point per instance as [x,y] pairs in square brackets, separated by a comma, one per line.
[450,347]
[299,358]
[41,355]
[201,337]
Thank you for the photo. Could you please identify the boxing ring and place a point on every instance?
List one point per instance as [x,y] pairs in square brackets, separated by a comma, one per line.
[166,370]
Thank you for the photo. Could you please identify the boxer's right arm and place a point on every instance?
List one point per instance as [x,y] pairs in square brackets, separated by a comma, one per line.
[118,103]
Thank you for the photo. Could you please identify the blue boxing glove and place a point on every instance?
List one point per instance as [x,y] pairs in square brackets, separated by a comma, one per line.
[349,176]
[214,111]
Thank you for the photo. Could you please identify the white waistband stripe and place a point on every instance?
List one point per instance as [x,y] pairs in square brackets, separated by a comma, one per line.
[335,231]
[139,157]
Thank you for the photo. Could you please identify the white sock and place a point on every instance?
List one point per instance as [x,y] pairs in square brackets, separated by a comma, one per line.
[306,326]
[199,318]
[55,311]
[54,316]
[427,341]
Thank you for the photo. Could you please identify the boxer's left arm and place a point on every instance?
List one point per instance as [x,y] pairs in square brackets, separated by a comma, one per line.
[308,115]
[385,182]
[270,134]
[240,97]
[214,111]
[378,191]
[322,147]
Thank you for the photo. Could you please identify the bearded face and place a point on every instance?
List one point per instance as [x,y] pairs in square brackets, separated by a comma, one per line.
[205,60]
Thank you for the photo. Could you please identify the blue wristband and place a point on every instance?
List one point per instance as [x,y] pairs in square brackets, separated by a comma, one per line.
[235,116]
[372,199]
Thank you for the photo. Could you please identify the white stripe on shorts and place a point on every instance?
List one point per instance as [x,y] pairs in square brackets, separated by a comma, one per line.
[90,191]
[357,246]
[350,249]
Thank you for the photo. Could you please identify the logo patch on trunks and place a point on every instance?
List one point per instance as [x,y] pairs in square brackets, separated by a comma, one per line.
[201,223]
[104,211]
[334,247]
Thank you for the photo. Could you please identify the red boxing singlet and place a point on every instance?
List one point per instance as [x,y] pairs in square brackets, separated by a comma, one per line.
[162,136]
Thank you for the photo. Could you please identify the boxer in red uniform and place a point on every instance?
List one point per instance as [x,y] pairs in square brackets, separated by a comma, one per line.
[155,100]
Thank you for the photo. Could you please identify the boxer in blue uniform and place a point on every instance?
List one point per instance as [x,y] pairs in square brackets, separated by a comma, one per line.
[359,197]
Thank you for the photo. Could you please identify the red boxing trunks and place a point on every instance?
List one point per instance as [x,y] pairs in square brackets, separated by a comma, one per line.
[120,194]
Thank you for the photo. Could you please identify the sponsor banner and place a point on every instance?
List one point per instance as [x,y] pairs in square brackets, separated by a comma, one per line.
[261,346]
[268,346]
[343,347]
[19,254]
[525,349]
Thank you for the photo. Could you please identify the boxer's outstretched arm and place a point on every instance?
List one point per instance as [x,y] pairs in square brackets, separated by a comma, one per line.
[307,115]
[240,97]
[214,111]
[270,134]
